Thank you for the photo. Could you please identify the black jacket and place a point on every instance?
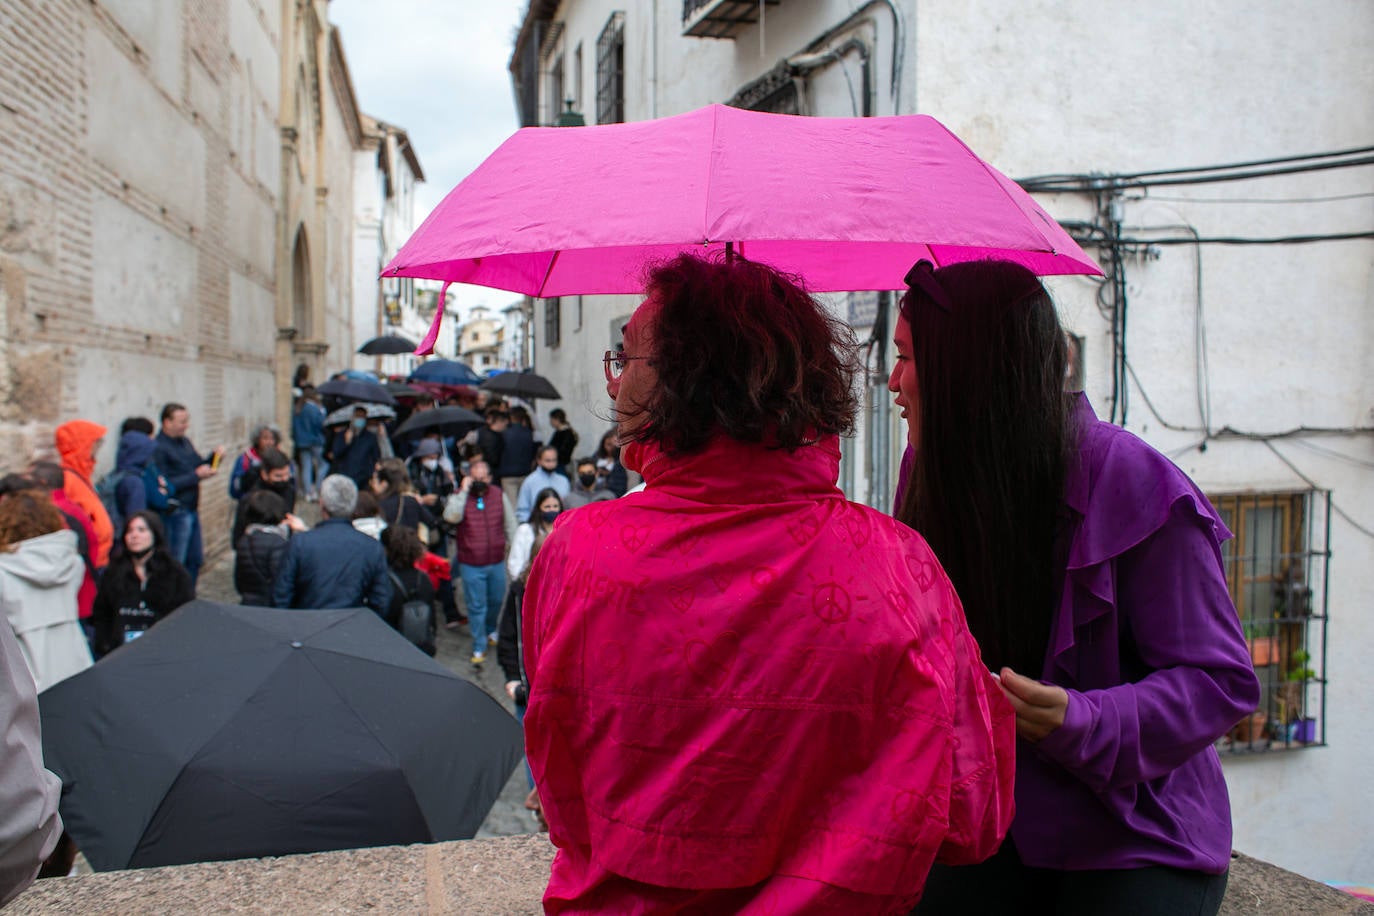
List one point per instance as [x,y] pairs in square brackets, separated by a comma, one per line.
[123,604]
[257,559]
[288,498]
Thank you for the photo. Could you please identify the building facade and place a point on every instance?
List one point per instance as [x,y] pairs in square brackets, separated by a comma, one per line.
[1198,156]
[177,193]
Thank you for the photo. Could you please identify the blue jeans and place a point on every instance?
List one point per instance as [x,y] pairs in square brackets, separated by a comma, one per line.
[183,540]
[484,588]
[313,468]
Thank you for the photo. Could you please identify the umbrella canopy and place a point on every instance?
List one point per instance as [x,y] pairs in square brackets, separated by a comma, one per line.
[349,389]
[445,372]
[345,413]
[362,375]
[387,345]
[234,732]
[448,420]
[846,203]
[402,390]
[521,385]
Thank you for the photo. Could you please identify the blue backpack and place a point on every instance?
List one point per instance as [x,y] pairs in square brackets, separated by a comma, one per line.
[107,488]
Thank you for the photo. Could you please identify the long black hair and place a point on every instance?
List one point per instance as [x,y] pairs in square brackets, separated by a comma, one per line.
[993,442]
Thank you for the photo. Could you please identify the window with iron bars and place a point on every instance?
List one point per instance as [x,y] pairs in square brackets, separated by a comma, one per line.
[610,71]
[553,330]
[1276,570]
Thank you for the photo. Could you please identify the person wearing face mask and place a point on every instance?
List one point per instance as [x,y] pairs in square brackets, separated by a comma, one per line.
[529,537]
[142,585]
[431,481]
[587,485]
[357,449]
[545,474]
[485,524]
[273,474]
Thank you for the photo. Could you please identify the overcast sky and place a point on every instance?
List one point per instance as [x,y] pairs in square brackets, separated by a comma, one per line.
[436,68]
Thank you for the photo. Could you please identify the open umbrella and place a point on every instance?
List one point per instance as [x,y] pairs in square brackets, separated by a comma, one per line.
[845,203]
[521,385]
[388,344]
[345,413]
[348,389]
[233,732]
[400,390]
[444,372]
[448,420]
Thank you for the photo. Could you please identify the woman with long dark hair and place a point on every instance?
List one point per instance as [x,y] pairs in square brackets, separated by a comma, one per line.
[141,586]
[1090,572]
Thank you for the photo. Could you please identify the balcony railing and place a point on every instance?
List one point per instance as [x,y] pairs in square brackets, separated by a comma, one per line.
[719,18]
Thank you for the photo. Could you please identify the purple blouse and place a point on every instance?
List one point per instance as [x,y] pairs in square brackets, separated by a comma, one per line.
[1148,644]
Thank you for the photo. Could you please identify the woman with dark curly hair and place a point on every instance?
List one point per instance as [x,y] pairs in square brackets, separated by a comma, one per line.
[745,690]
[1091,573]
[142,585]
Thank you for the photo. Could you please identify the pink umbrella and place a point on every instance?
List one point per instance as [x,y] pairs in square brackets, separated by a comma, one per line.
[845,203]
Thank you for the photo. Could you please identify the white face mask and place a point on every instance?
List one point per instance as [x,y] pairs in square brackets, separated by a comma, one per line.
[430,463]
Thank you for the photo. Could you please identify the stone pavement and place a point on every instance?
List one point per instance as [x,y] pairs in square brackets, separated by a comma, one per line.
[508,816]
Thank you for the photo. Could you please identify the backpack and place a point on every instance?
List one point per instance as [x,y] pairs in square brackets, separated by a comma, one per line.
[107,488]
[416,623]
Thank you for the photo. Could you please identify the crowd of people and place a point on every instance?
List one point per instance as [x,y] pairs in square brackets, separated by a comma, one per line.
[743,692]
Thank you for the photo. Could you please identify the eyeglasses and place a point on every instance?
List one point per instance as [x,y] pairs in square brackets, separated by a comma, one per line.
[615,361]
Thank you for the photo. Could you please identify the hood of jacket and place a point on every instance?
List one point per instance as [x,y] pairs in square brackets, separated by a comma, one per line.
[74,441]
[46,561]
[135,451]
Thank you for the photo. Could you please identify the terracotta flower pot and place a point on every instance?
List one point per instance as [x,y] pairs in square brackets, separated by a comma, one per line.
[1249,729]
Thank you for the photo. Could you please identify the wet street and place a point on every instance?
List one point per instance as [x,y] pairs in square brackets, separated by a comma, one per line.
[508,816]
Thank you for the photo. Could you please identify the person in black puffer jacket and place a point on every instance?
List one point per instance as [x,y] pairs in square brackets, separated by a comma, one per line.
[259,552]
[141,586]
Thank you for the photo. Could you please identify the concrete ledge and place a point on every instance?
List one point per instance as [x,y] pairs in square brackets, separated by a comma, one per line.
[496,877]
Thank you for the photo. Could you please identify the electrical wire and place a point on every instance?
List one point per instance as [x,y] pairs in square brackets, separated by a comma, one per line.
[1340,456]
[1334,508]
[1092,182]
[1236,240]
[1355,151]
[1253,200]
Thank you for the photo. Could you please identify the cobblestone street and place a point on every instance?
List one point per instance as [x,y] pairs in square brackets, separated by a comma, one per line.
[508,816]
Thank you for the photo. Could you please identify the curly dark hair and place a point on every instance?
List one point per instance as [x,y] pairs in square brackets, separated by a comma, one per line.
[744,350]
[26,514]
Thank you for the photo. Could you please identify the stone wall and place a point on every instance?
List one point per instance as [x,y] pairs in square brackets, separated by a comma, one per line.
[497,877]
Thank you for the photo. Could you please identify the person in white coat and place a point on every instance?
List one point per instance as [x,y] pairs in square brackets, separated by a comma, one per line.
[40,574]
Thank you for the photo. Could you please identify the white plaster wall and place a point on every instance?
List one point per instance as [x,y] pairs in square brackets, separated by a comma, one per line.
[168,159]
[252,309]
[1040,87]
[156,29]
[254,402]
[344,334]
[113,384]
[250,225]
[144,276]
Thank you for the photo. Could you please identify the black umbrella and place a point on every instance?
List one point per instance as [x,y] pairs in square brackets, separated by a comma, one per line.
[521,385]
[236,732]
[350,389]
[402,390]
[387,345]
[444,419]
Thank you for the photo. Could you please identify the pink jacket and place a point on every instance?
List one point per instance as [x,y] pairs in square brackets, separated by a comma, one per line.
[751,695]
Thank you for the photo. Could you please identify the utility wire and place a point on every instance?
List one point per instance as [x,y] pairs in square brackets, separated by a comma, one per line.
[1251,200]
[1097,182]
[1307,157]
[1334,508]
[1236,240]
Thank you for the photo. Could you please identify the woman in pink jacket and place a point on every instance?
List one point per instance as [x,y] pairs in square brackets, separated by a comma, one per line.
[749,694]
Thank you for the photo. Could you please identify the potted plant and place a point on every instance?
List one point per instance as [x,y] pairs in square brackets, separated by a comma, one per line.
[1263,643]
[1292,698]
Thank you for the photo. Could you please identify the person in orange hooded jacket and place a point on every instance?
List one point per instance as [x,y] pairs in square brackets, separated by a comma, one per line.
[77,442]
